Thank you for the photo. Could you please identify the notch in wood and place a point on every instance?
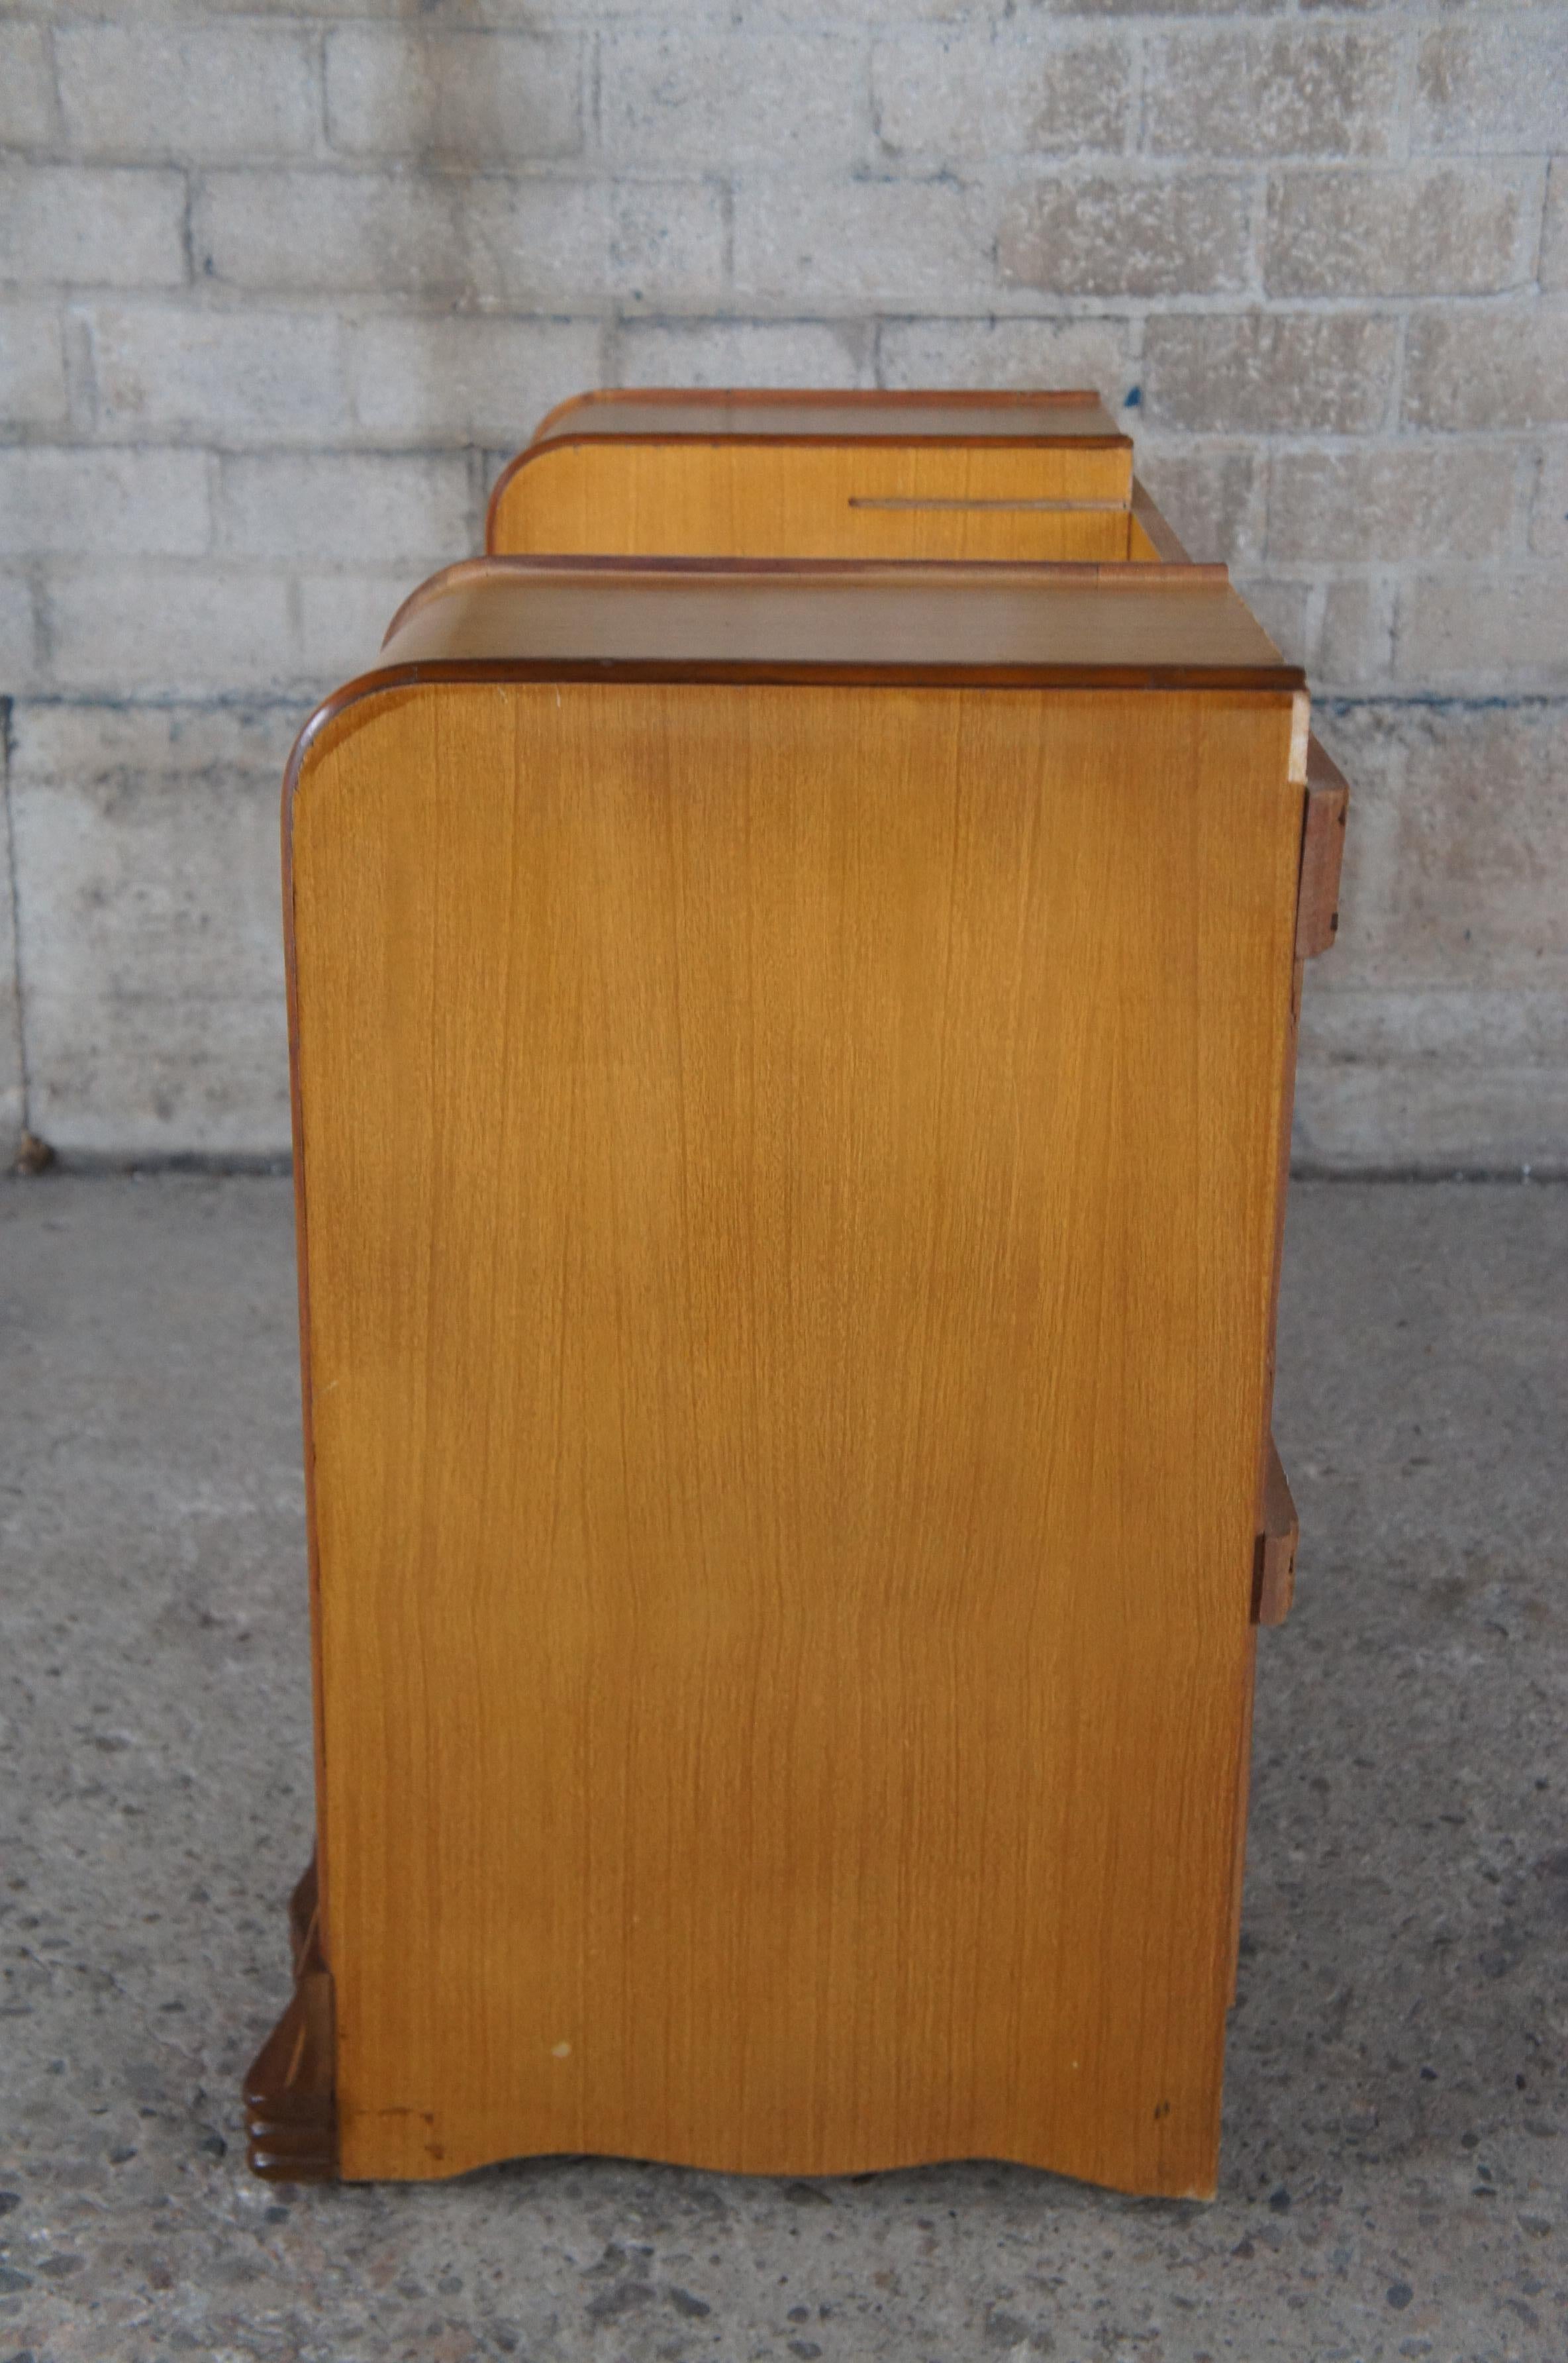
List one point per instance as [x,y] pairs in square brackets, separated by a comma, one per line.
[1323,846]
[1273,1563]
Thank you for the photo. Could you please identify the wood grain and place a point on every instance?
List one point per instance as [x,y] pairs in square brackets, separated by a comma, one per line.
[740,618]
[789,1186]
[732,495]
[1322,853]
[798,414]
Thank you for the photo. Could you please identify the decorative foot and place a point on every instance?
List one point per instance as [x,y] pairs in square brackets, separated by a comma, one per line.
[291,2102]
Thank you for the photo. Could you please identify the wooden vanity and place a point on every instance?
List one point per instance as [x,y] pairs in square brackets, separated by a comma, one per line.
[792,1064]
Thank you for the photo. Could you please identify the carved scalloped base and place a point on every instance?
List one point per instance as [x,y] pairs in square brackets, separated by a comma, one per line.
[291,2102]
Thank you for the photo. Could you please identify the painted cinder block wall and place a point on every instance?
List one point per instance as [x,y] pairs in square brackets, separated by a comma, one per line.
[283,283]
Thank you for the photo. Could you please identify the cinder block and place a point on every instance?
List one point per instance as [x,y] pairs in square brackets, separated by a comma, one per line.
[1285,611]
[742,352]
[695,96]
[122,504]
[1483,633]
[1438,1033]
[1351,641]
[667,239]
[972,91]
[190,92]
[78,226]
[1488,370]
[468,380]
[1283,373]
[483,237]
[147,879]
[228,377]
[1212,495]
[1318,90]
[1496,81]
[12,1098]
[1554,232]
[1440,1081]
[1006,353]
[1454,866]
[1149,234]
[875,243]
[1419,502]
[32,368]
[348,508]
[860,12]
[1189,8]
[19,668]
[475,97]
[168,628]
[344,616]
[1549,509]
[27,114]
[316,233]
[1445,229]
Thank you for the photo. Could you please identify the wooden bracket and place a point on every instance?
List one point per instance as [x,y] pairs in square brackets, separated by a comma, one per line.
[290,2100]
[1273,1561]
[1322,844]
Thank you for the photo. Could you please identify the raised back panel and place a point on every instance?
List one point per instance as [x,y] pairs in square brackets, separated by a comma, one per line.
[947,414]
[788,1182]
[730,496]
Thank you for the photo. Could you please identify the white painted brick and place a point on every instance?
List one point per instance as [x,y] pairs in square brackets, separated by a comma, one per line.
[346,508]
[1008,354]
[1554,233]
[32,368]
[76,226]
[1482,634]
[1319,90]
[480,238]
[1443,229]
[1191,7]
[1419,502]
[194,92]
[468,380]
[1350,647]
[666,239]
[474,97]
[1486,370]
[733,97]
[166,628]
[239,377]
[567,242]
[344,618]
[977,91]
[1296,373]
[1496,80]
[1142,234]
[894,243]
[744,352]
[330,232]
[1444,1081]
[124,503]
[1548,510]
[147,857]
[19,644]
[1285,611]
[1457,847]
[871,13]
[27,114]
[1213,496]
[12,1098]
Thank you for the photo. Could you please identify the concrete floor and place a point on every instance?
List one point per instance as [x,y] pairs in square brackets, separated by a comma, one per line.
[1395,2164]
